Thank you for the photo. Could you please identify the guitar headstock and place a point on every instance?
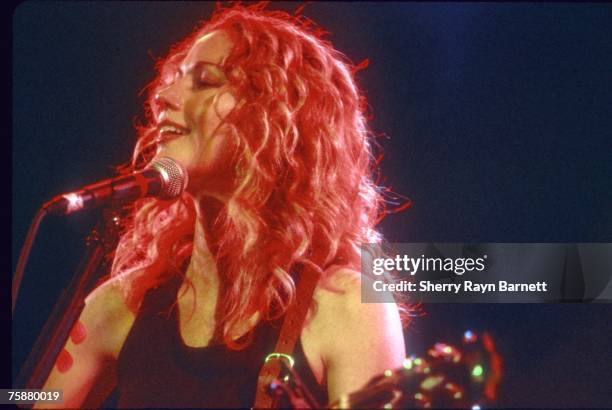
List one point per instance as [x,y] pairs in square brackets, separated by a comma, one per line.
[464,375]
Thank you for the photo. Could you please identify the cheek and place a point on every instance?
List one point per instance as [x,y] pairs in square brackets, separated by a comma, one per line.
[218,153]
[226,149]
[216,146]
[226,104]
[212,117]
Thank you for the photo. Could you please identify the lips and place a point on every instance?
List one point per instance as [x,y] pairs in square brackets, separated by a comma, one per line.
[168,130]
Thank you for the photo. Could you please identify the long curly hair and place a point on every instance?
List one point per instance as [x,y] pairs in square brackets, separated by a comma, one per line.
[306,191]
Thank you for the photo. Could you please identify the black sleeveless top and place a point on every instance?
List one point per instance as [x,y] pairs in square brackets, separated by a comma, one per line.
[156,369]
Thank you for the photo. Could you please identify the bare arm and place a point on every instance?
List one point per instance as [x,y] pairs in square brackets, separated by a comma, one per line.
[354,341]
[85,368]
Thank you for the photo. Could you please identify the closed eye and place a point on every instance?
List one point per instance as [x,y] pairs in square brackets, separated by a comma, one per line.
[205,76]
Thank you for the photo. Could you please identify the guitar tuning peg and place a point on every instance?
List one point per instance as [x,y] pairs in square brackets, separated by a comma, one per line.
[446,352]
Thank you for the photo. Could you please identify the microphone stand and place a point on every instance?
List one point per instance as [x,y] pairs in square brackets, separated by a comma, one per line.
[67,310]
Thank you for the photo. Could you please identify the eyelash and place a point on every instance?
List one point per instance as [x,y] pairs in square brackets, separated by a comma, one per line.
[204,79]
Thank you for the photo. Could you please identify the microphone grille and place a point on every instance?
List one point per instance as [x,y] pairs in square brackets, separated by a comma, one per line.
[174,177]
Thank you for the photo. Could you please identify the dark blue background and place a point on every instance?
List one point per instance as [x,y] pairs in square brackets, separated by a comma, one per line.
[498,118]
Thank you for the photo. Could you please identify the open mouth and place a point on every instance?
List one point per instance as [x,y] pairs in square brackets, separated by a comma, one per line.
[167,131]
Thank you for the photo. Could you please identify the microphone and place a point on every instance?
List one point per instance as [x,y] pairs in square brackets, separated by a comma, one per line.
[163,178]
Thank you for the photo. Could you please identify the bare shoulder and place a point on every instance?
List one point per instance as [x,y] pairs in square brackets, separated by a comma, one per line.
[106,317]
[354,340]
[106,302]
[339,306]
[84,369]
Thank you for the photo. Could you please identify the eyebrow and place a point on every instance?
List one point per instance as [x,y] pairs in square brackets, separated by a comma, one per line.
[169,70]
[195,65]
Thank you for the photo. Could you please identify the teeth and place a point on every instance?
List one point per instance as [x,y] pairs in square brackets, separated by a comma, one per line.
[170,129]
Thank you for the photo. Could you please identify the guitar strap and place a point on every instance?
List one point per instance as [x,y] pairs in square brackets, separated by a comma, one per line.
[289,334]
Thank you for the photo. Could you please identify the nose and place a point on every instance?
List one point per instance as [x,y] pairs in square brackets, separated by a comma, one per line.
[168,97]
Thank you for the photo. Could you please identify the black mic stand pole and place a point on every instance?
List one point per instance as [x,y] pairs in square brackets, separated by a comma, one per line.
[67,310]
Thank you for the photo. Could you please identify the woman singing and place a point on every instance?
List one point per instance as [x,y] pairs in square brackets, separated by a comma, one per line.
[268,123]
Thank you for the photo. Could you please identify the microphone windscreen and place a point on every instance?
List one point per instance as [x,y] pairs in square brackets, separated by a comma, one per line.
[174,177]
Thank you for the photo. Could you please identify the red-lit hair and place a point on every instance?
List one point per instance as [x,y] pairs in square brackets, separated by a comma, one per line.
[306,191]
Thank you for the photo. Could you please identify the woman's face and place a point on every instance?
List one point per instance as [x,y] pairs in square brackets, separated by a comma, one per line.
[190,111]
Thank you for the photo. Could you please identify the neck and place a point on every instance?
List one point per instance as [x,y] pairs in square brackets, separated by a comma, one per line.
[203,257]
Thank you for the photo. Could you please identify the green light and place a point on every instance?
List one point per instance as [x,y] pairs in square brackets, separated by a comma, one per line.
[431,382]
[407,363]
[278,356]
[477,371]
[388,373]
[418,396]
[388,406]
[417,361]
